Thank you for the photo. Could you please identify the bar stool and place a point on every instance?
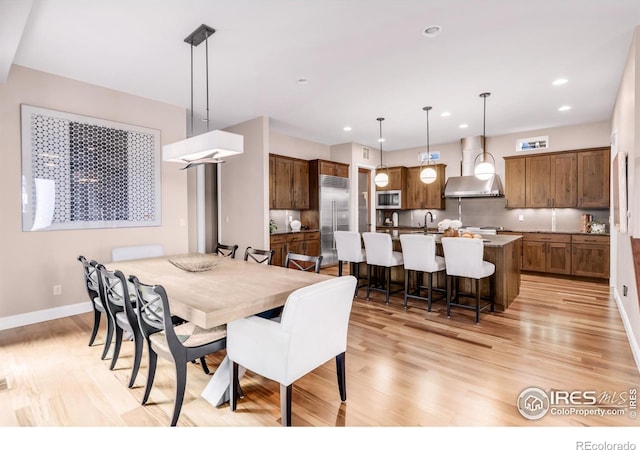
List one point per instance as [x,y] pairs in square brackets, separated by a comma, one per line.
[419,254]
[379,251]
[463,258]
[349,249]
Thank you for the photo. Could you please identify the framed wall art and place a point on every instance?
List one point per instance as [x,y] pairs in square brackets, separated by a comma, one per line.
[82,172]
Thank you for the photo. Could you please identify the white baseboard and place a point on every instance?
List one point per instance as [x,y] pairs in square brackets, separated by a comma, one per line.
[633,339]
[20,320]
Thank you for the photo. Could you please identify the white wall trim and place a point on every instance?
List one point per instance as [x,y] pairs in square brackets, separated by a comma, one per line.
[633,340]
[30,318]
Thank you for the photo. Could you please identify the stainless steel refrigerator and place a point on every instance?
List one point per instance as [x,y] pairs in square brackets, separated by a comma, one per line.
[334,214]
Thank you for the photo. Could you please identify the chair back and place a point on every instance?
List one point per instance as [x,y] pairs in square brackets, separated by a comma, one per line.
[226,250]
[259,256]
[316,318]
[349,246]
[136,252]
[463,256]
[379,248]
[150,311]
[90,278]
[419,252]
[303,262]
[119,294]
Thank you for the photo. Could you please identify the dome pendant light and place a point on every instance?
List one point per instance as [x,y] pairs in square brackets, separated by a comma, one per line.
[485,169]
[428,174]
[382,177]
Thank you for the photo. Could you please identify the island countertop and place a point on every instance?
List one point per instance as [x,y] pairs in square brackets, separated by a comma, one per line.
[495,240]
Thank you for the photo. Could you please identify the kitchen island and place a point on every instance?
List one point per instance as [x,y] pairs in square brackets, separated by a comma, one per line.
[505,251]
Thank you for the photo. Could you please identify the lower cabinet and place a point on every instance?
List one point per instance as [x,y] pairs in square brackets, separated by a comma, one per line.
[304,243]
[590,256]
[583,255]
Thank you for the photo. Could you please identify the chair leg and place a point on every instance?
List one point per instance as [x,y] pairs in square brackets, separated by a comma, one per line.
[153,362]
[492,291]
[448,296]
[342,376]
[388,280]
[107,342]
[368,281]
[181,381]
[137,356]
[285,404]
[477,300]
[204,365]
[339,268]
[96,325]
[430,291]
[234,386]
[406,287]
[116,349]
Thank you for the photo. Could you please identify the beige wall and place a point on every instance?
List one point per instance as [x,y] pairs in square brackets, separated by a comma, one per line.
[32,262]
[284,145]
[626,125]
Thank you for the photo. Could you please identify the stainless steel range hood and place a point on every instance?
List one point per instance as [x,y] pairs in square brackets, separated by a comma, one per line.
[469,186]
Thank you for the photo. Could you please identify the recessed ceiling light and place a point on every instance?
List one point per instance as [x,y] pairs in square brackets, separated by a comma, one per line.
[432,31]
[445,114]
[463,125]
[564,108]
[559,81]
[347,128]
[303,81]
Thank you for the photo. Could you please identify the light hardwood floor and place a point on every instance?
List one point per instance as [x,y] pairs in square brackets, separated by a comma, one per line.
[404,368]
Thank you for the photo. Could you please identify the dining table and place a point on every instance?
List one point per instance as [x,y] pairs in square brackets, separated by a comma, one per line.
[211,290]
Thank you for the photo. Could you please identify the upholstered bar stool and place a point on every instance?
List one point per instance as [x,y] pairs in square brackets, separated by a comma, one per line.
[349,248]
[419,254]
[379,251]
[464,259]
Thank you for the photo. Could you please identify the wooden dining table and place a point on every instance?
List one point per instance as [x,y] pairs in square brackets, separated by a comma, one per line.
[222,289]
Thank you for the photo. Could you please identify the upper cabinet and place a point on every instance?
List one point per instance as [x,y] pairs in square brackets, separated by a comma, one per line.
[397,179]
[593,178]
[288,183]
[333,168]
[420,195]
[572,179]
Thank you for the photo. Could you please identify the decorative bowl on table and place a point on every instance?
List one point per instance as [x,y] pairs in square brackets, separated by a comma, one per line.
[196,262]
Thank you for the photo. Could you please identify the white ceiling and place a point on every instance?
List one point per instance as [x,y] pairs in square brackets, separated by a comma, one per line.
[363,59]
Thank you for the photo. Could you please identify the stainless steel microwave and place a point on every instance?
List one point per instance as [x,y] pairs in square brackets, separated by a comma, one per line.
[388,199]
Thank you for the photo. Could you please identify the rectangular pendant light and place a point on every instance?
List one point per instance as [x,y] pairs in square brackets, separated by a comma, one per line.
[203,145]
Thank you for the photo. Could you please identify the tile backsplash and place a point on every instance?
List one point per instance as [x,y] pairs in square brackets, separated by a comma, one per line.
[281,217]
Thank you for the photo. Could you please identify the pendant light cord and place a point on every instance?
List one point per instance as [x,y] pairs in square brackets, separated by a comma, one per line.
[484,96]
[380,119]
[206,49]
[191,121]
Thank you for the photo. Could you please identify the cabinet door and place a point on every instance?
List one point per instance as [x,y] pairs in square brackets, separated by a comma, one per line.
[342,170]
[533,256]
[434,191]
[416,189]
[590,260]
[312,247]
[514,179]
[283,180]
[326,167]
[300,185]
[538,177]
[396,179]
[593,179]
[564,180]
[558,258]
[272,181]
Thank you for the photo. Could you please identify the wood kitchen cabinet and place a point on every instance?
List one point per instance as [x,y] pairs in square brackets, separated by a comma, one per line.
[546,252]
[590,256]
[304,243]
[288,183]
[397,179]
[420,195]
[593,178]
[568,179]
[333,168]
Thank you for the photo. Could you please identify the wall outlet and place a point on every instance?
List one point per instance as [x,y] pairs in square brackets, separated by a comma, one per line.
[521,218]
[434,216]
[57,289]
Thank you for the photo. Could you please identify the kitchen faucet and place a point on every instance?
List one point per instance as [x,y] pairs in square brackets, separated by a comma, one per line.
[428,213]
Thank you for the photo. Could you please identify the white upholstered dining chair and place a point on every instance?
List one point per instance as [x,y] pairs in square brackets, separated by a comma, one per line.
[313,329]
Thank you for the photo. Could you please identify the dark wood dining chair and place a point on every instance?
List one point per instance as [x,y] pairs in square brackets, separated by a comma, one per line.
[259,256]
[177,343]
[226,250]
[303,262]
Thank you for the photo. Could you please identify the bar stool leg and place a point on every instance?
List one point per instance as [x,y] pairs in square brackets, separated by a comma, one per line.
[388,274]
[430,290]
[406,287]
[448,296]
[339,268]
[368,280]
[477,300]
